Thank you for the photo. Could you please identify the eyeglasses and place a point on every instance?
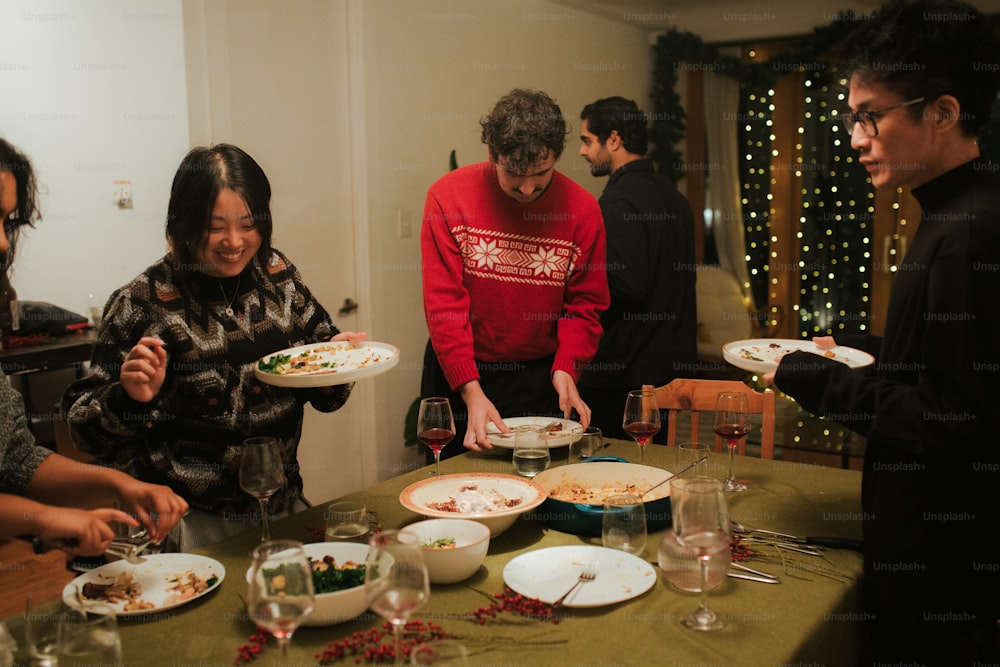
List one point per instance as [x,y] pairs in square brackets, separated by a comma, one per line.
[867,118]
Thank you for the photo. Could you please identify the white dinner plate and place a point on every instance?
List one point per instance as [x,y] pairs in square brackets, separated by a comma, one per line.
[548,573]
[339,362]
[154,575]
[761,355]
[568,432]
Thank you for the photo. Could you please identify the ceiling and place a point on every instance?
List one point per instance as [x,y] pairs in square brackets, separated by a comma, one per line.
[732,20]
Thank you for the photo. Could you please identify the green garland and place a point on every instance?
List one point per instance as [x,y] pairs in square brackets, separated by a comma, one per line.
[678,50]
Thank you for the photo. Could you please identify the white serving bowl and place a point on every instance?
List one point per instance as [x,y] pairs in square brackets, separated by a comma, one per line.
[418,497]
[451,565]
[339,606]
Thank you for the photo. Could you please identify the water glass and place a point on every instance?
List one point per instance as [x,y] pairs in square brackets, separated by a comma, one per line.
[449,652]
[89,639]
[41,629]
[531,450]
[588,444]
[348,521]
[688,453]
[623,525]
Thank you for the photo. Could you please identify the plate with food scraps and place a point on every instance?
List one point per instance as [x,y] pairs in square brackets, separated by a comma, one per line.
[326,364]
[548,573]
[160,582]
[558,432]
[761,355]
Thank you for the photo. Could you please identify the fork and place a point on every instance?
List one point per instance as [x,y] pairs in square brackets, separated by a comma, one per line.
[589,573]
[130,547]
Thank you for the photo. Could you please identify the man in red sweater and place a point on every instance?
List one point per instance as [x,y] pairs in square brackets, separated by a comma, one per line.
[514,277]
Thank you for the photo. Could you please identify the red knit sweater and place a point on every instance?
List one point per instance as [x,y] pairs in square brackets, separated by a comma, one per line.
[506,281]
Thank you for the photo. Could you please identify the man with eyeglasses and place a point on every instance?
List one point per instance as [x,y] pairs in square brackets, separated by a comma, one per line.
[923,79]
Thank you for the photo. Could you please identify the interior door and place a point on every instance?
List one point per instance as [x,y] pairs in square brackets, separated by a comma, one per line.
[277,86]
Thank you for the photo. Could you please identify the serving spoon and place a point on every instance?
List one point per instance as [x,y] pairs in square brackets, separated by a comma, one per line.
[674,476]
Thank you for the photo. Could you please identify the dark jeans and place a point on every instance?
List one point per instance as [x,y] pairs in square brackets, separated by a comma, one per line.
[517,389]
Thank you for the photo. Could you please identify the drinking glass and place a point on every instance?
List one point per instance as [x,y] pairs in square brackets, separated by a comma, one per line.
[642,418]
[280,590]
[396,582]
[348,521]
[732,422]
[623,525]
[89,638]
[41,630]
[531,450]
[701,524]
[435,426]
[449,652]
[262,474]
[588,444]
[690,452]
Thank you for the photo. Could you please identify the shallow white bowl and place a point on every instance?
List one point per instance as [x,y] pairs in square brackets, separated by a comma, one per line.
[441,488]
[344,605]
[448,566]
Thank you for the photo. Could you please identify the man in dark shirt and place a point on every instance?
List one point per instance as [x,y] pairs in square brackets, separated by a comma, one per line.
[650,330]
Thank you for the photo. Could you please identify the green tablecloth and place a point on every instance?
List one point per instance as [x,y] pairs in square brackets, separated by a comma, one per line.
[812,617]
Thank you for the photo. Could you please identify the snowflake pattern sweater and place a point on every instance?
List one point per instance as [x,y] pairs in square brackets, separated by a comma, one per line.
[506,281]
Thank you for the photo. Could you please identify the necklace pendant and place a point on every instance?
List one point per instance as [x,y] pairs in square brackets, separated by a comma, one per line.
[229,311]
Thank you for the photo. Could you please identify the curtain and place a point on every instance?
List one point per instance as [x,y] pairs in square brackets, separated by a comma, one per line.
[722,106]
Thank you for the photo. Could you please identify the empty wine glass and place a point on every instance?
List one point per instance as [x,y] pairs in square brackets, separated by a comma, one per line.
[701,524]
[642,418]
[732,422]
[435,426]
[280,591]
[262,474]
[396,582]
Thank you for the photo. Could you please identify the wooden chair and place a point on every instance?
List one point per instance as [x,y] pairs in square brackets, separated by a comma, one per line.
[697,396]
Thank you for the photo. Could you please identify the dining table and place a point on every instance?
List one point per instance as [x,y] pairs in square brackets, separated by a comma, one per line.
[813,616]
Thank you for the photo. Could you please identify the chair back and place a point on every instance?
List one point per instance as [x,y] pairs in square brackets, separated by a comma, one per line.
[697,396]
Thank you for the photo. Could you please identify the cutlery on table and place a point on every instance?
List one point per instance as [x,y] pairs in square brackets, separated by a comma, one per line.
[589,573]
[790,541]
[758,573]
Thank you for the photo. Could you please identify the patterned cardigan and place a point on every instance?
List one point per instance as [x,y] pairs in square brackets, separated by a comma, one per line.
[189,436]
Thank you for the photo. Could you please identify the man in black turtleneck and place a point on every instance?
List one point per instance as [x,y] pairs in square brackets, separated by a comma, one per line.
[923,78]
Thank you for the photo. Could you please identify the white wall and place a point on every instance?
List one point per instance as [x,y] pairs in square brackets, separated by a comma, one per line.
[93,92]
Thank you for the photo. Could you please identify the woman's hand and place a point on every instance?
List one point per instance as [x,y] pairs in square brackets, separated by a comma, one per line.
[569,397]
[155,505]
[350,336]
[481,412]
[144,369]
[80,532]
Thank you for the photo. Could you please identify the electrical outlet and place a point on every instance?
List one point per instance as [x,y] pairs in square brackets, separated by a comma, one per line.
[122,196]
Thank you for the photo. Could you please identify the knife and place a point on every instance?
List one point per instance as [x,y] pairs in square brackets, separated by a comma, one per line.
[753,577]
[832,542]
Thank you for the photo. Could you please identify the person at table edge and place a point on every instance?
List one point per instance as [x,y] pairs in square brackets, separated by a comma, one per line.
[172,394]
[651,328]
[513,275]
[923,78]
[59,501]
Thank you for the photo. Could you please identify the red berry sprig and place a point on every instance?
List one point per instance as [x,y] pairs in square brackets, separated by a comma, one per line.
[255,644]
[369,647]
[509,601]
[738,551]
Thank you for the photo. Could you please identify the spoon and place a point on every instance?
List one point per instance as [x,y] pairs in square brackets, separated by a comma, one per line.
[674,476]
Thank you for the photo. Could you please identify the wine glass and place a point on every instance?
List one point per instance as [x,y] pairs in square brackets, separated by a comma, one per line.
[396,582]
[701,524]
[435,426]
[280,590]
[732,422]
[642,418]
[262,474]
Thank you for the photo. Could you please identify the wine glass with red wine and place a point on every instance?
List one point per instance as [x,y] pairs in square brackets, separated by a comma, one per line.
[642,418]
[435,426]
[732,423]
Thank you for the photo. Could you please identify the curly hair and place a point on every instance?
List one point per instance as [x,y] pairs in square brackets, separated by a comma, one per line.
[524,128]
[927,48]
[27,212]
[202,175]
[617,114]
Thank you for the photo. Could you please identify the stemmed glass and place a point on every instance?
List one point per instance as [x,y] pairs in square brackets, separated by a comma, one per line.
[701,523]
[732,422]
[435,426]
[396,582]
[280,590]
[262,474]
[642,418]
